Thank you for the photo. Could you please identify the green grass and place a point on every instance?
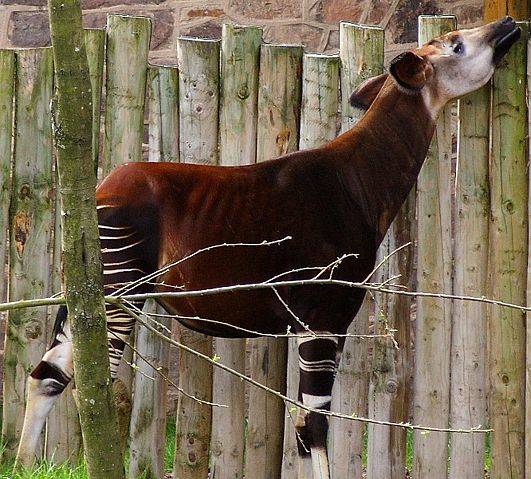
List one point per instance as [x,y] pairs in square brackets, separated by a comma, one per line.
[47,470]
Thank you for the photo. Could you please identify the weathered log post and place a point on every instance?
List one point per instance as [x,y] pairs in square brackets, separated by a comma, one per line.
[468,389]
[434,274]
[361,54]
[508,262]
[278,130]
[198,127]
[30,222]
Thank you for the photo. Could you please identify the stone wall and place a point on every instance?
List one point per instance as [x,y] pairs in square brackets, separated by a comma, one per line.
[314,23]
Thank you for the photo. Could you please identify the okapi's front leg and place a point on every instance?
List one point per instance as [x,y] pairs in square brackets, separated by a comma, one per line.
[46,382]
[317,363]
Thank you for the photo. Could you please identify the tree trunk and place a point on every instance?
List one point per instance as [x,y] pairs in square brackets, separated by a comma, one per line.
[82,258]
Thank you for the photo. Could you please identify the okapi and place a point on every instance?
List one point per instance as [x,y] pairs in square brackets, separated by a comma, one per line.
[331,201]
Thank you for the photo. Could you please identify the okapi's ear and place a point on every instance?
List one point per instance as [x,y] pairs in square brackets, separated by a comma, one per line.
[410,71]
[365,94]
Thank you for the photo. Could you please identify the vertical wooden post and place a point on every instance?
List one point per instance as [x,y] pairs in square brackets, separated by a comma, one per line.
[278,130]
[198,128]
[279,101]
[239,95]
[240,52]
[7,79]
[468,392]
[434,274]
[163,101]
[361,54]
[126,73]
[390,385]
[528,316]
[95,45]
[127,53]
[319,105]
[508,262]
[199,100]
[148,417]
[30,224]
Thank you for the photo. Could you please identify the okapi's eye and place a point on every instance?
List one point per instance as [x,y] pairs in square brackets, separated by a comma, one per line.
[459,48]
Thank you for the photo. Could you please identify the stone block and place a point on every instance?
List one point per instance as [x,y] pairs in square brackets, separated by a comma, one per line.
[210,29]
[403,26]
[335,11]
[266,10]
[93,4]
[29,29]
[28,3]
[193,13]
[469,14]
[299,33]
[378,9]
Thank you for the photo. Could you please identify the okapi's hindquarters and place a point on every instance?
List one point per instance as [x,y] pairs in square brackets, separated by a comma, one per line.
[126,260]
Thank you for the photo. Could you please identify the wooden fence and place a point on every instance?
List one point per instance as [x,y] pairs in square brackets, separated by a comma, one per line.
[456,364]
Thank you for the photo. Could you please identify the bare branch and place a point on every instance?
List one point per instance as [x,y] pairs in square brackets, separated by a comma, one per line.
[351,417]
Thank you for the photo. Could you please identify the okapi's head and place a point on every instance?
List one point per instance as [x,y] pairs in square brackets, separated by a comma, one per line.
[446,67]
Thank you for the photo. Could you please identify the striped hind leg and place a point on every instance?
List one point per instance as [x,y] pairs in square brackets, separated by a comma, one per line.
[45,383]
[124,261]
[317,364]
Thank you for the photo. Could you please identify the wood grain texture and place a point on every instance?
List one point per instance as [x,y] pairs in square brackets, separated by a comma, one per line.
[126,61]
[508,262]
[434,274]
[361,56]
[30,221]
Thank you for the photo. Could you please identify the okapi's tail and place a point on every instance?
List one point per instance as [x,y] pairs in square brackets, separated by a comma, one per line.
[58,326]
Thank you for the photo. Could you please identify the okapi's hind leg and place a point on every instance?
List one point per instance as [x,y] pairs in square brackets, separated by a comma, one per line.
[129,252]
[45,383]
[317,364]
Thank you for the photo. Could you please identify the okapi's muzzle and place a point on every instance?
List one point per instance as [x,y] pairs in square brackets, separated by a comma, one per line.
[504,34]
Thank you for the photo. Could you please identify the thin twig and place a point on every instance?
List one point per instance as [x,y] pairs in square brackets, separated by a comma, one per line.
[384,260]
[171,265]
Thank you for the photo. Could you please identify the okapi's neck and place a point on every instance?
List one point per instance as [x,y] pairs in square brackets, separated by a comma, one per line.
[384,152]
